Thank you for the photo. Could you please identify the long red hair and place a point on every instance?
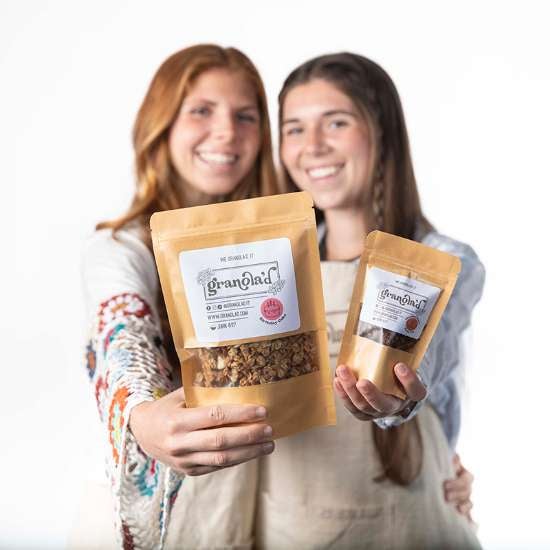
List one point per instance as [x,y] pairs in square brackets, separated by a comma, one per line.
[158,185]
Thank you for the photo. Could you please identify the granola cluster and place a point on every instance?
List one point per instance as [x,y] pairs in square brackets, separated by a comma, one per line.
[257,362]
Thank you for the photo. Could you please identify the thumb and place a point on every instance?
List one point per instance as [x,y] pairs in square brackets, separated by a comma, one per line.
[457,463]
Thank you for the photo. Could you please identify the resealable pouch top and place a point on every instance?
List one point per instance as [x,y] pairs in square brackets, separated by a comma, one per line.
[400,293]
[242,285]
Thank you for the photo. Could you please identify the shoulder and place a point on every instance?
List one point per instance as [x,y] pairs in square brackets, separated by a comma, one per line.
[450,245]
[472,272]
[111,245]
[465,252]
[118,263]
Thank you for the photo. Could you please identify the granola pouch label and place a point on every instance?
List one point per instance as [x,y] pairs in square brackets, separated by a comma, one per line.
[247,288]
[397,303]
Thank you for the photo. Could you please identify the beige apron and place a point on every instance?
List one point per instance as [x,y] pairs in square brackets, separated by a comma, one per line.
[215,511]
[317,488]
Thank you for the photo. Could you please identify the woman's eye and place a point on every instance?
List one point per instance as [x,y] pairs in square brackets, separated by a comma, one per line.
[338,123]
[247,117]
[293,131]
[200,111]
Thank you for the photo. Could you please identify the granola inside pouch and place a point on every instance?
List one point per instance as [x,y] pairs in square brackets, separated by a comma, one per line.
[242,286]
[400,293]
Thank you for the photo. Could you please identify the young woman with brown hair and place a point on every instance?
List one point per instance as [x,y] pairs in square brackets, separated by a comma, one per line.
[366,484]
[202,135]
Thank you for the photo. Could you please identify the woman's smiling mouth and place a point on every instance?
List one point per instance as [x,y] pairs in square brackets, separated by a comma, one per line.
[217,159]
[322,172]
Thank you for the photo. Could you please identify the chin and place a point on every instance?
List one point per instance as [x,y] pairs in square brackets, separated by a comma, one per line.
[327,203]
[216,188]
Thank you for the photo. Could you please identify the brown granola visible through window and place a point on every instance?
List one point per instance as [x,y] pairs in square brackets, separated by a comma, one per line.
[385,336]
[257,362]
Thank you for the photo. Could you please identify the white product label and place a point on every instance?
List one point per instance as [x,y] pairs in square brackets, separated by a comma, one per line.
[397,303]
[241,290]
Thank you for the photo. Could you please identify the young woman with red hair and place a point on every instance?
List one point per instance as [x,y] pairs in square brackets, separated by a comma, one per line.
[202,135]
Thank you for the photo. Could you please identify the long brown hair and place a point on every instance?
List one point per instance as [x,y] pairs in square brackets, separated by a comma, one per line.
[392,202]
[158,184]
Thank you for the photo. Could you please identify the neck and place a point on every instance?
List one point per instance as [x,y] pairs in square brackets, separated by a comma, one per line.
[193,197]
[346,230]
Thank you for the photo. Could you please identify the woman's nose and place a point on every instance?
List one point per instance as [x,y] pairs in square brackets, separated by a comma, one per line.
[224,128]
[315,143]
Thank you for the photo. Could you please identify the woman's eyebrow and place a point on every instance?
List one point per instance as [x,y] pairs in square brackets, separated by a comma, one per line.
[211,103]
[199,100]
[330,113]
[338,112]
[290,121]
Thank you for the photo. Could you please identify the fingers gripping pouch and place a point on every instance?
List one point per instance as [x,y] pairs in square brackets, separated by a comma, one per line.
[242,286]
[400,293]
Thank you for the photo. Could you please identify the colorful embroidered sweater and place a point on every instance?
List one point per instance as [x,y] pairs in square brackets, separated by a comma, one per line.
[127,365]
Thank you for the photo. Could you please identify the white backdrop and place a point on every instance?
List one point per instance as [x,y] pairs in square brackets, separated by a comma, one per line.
[475,83]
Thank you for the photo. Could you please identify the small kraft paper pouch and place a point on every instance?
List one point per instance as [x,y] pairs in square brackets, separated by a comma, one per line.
[401,290]
[242,285]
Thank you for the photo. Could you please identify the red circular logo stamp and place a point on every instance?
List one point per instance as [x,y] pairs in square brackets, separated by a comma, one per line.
[411,323]
[272,309]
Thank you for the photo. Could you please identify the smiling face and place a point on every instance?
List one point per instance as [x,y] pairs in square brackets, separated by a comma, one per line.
[326,145]
[215,138]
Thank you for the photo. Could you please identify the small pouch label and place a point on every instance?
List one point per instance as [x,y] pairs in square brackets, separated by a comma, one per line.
[241,289]
[397,303]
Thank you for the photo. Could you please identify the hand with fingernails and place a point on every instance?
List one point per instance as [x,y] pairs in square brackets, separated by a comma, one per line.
[199,440]
[366,402]
[458,491]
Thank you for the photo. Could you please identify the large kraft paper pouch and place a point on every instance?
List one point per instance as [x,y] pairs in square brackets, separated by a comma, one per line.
[401,290]
[242,286]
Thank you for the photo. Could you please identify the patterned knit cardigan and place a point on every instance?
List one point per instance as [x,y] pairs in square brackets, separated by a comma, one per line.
[127,365]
